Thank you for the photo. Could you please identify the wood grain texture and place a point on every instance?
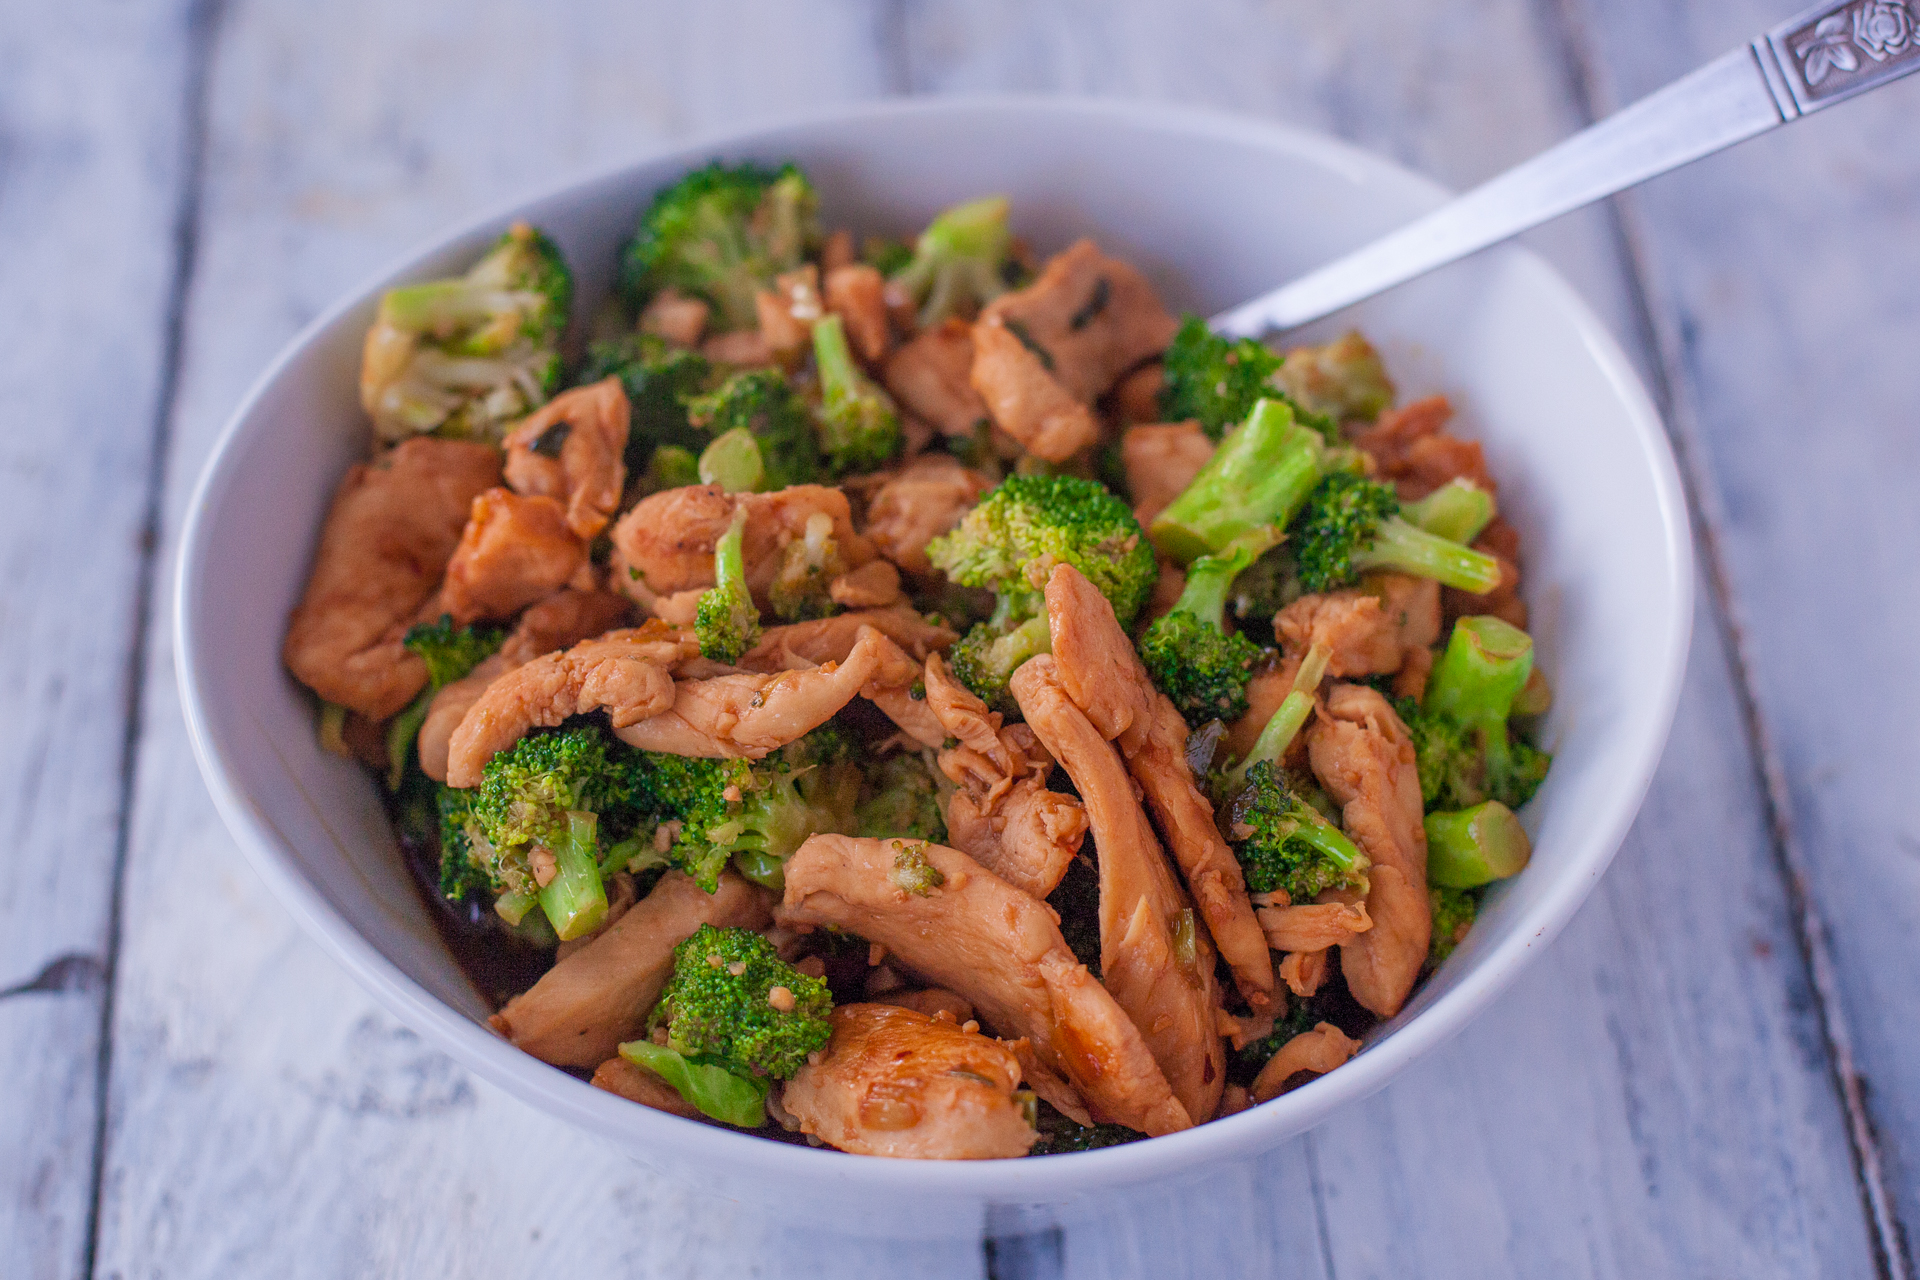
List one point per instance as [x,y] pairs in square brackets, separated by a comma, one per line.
[91,178]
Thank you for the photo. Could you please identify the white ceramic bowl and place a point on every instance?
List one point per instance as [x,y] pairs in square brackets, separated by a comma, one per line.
[1214,209]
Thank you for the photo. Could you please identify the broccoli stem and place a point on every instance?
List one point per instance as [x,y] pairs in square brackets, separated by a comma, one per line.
[733,462]
[1258,478]
[1406,548]
[1330,840]
[574,900]
[402,732]
[1458,510]
[719,1093]
[1288,719]
[1486,665]
[1210,582]
[513,905]
[727,621]
[1034,636]
[1471,847]
[838,375]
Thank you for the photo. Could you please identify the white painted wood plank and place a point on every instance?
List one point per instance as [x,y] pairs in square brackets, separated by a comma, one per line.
[265,1118]
[1653,1098]
[1786,273]
[91,102]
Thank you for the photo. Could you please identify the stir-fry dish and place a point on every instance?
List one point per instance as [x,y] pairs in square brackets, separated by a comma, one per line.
[913,697]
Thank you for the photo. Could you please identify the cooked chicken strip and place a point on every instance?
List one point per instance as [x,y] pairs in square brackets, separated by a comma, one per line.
[1313,926]
[1319,1050]
[1411,448]
[560,621]
[857,294]
[628,673]
[748,714]
[935,1002]
[1161,460]
[515,550]
[586,1005]
[1135,398]
[1100,671]
[1370,629]
[926,498]
[1024,399]
[1363,756]
[1096,317]
[894,1082]
[637,1084]
[979,936]
[1169,995]
[808,644]
[874,585]
[665,543]
[386,541]
[932,378]
[1303,971]
[573,449]
[676,317]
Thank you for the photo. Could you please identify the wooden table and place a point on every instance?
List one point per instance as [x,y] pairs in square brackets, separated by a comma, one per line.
[1714,1072]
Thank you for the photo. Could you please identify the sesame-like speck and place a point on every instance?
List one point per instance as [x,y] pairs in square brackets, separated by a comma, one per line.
[970,1026]
[715,959]
[780,998]
[737,968]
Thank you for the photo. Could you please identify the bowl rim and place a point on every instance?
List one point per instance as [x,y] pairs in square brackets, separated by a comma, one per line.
[664,1137]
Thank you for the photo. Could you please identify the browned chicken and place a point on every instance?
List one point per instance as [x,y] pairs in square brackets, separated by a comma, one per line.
[637,1084]
[1155,956]
[1024,399]
[628,673]
[931,376]
[1161,459]
[1501,541]
[787,312]
[838,251]
[573,450]
[1095,317]
[515,550]
[676,317]
[923,500]
[1411,448]
[976,934]
[1313,926]
[1266,690]
[742,348]
[386,541]
[1319,1051]
[748,714]
[1303,971]
[857,294]
[893,1082]
[1362,755]
[1136,397]
[935,1002]
[1369,629]
[560,621]
[1098,668]
[808,644]
[665,543]
[587,1004]
[874,585]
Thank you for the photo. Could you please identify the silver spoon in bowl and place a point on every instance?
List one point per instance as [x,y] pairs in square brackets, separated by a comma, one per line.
[1829,53]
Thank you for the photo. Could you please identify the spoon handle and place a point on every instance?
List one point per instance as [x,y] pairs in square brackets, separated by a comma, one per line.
[1831,52]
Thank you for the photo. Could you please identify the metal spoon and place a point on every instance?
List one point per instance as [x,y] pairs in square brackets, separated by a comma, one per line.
[1831,52]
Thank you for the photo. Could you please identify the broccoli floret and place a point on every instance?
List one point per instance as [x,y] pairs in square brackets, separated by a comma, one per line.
[1243,1068]
[461,878]
[959,262]
[733,1002]
[1191,655]
[466,357]
[1283,842]
[899,797]
[1256,480]
[1458,510]
[1454,911]
[1343,380]
[659,380]
[671,467]
[450,652]
[728,621]
[1060,1135]
[801,587]
[1076,900]
[1351,524]
[722,234]
[1212,379]
[1029,523]
[859,426]
[985,658]
[1465,750]
[761,402]
[887,256]
[1269,585]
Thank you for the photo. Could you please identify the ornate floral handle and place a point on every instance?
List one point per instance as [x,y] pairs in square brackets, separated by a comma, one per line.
[1836,51]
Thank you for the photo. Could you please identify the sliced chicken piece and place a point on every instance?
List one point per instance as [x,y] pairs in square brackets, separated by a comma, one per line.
[573,449]
[838,251]
[805,644]
[1369,629]
[584,1007]
[748,714]
[1136,397]
[1319,1050]
[674,316]
[1313,926]
[1303,972]
[1411,448]
[1167,589]
[627,673]
[386,541]
[1161,460]
[978,935]
[857,294]
[665,543]
[515,550]
[1362,755]
[1098,668]
[932,378]
[926,498]
[742,348]
[637,1084]
[1095,317]
[560,621]
[894,1082]
[1155,956]
[1025,400]
[874,585]
[935,1002]
[787,312]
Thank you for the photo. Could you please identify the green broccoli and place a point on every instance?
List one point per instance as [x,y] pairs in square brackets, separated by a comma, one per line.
[859,426]
[802,584]
[985,658]
[1060,1135]
[912,871]
[735,1003]
[1465,749]
[1454,911]
[450,652]
[466,357]
[1351,524]
[1076,900]
[899,797]
[1283,842]
[671,467]
[761,401]
[1190,653]
[961,261]
[733,462]
[1467,848]
[887,256]
[1212,379]
[1256,480]
[1243,1067]
[1343,380]
[659,380]
[462,879]
[722,234]
[1269,585]
[1457,511]
[728,621]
